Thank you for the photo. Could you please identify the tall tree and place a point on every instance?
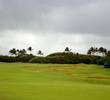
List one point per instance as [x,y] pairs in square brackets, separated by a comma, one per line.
[101,49]
[67,49]
[89,52]
[40,52]
[23,51]
[104,51]
[18,51]
[13,51]
[92,50]
[30,49]
[108,53]
[96,50]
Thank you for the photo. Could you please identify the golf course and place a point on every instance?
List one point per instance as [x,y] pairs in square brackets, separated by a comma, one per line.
[26,81]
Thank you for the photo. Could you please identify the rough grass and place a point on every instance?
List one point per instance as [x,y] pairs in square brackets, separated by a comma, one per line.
[22,81]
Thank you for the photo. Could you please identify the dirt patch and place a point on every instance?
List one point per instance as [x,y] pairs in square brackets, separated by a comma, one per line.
[100,78]
[103,78]
[39,69]
[66,69]
[51,68]
[33,68]
[78,67]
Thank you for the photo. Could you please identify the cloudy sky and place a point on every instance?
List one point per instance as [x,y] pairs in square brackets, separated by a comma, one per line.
[52,25]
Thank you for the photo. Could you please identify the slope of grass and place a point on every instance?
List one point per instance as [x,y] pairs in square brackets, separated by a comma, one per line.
[22,81]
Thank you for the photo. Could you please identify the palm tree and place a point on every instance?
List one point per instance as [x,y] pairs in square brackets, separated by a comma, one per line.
[23,51]
[40,52]
[104,51]
[89,52]
[101,49]
[13,51]
[108,53]
[18,51]
[30,49]
[96,50]
[92,50]
[66,49]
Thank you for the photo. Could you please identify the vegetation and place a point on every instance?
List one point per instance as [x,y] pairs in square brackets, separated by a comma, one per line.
[30,49]
[67,49]
[95,50]
[102,60]
[40,53]
[94,55]
[108,53]
[58,76]
[13,51]
[107,63]
[62,58]
[37,59]
[22,81]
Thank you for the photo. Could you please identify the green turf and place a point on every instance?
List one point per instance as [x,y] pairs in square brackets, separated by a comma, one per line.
[22,81]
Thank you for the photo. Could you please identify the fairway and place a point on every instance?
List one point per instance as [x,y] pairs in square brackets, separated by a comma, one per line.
[24,81]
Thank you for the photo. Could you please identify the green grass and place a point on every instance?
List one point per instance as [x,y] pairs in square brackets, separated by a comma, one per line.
[23,81]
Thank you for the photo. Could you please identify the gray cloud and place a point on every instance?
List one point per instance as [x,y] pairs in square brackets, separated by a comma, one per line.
[56,15]
[72,23]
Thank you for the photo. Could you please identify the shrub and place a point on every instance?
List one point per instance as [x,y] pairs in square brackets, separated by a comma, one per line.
[95,59]
[88,59]
[37,59]
[71,58]
[85,60]
[57,54]
[107,64]
[24,57]
[54,59]
[7,59]
[62,58]
[102,60]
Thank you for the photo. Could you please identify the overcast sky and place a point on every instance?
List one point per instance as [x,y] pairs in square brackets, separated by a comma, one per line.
[53,25]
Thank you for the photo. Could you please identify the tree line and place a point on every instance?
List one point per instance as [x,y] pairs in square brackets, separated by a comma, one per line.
[18,52]
[96,50]
[94,55]
[101,51]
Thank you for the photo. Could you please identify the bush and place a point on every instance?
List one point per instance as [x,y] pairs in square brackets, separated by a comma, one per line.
[71,58]
[37,59]
[102,60]
[62,58]
[107,64]
[54,59]
[95,59]
[85,60]
[88,59]
[24,57]
[7,59]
